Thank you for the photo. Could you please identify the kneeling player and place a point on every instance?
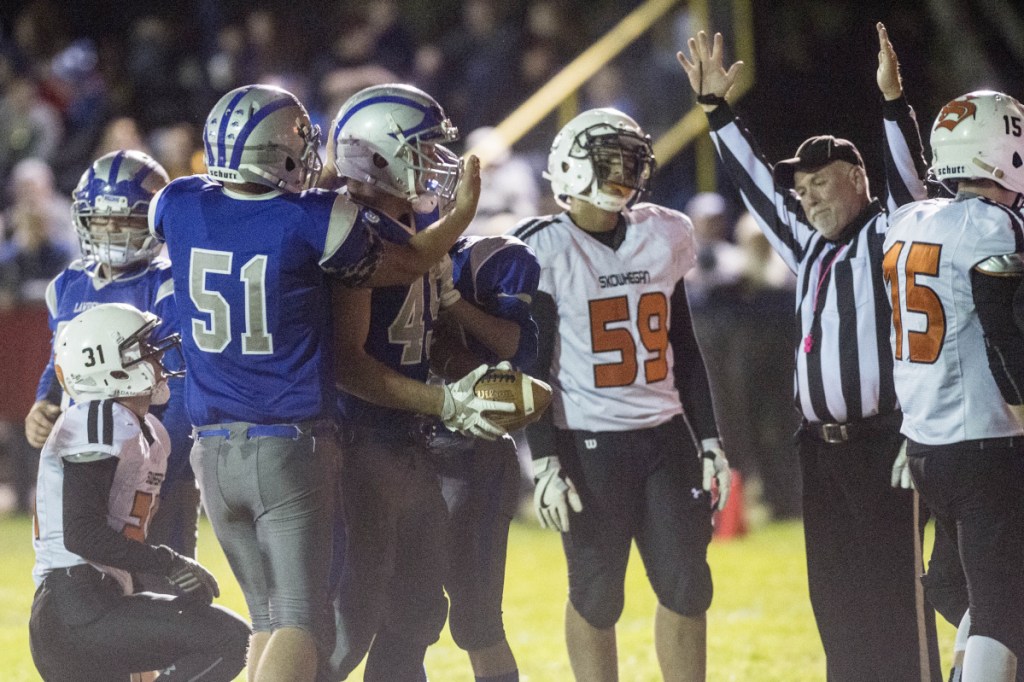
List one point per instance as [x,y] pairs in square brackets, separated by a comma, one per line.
[98,486]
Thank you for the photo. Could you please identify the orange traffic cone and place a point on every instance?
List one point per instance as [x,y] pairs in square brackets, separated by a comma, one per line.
[731,522]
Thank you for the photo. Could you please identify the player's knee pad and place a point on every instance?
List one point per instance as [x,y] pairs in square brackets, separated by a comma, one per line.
[474,629]
[599,605]
[687,592]
[987,658]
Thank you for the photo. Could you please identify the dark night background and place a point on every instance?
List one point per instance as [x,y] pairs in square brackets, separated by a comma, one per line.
[815,60]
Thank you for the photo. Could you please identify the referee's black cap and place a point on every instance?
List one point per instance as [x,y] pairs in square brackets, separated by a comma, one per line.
[814,153]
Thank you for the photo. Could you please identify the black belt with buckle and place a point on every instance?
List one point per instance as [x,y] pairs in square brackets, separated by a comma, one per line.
[854,430]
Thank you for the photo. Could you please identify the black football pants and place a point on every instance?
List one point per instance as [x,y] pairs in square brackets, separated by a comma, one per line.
[83,629]
[863,563]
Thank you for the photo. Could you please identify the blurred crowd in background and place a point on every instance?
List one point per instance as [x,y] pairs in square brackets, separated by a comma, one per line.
[78,80]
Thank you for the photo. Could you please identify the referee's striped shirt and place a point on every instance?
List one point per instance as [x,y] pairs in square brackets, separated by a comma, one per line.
[843,358]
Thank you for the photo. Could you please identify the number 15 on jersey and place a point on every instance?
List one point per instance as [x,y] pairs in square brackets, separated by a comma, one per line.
[911,294]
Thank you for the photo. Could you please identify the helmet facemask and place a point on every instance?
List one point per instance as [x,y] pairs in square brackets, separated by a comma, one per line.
[312,164]
[117,241]
[620,159]
[601,157]
[432,170]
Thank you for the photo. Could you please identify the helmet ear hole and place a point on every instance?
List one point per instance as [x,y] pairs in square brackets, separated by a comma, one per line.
[118,374]
[289,164]
[379,161]
[1017,162]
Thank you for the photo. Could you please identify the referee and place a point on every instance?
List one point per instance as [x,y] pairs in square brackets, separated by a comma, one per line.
[863,548]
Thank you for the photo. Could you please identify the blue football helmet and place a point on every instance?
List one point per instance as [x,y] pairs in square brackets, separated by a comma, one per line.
[392,137]
[110,206]
[262,134]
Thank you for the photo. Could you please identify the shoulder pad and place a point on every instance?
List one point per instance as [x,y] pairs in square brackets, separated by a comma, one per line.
[1010,265]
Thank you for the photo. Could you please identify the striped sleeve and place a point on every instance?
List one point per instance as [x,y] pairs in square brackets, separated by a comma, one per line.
[89,432]
[905,166]
[775,209]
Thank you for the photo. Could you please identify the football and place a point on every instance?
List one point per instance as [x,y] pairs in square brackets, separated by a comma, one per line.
[530,396]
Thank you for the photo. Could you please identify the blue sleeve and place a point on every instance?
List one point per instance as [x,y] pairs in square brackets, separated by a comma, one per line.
[350,249]
[156,209]
[167,310]
[503,284]
[49,388]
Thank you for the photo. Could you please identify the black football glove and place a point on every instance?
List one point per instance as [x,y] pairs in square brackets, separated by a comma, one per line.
[188,577]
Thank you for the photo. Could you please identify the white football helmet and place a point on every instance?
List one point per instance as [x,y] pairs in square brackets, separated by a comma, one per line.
[110,206]
[102,354]
[980,135]
[595,152]
[262,134]
[392,136]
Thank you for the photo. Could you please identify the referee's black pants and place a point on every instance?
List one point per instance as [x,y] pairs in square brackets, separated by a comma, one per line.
[863,561]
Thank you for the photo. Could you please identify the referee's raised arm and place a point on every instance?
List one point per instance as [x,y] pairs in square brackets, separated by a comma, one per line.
[818,212]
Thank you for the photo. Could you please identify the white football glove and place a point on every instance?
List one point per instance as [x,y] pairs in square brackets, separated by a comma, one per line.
[447,292]
[553,494]
[901,469]
[716,467]
[463,409]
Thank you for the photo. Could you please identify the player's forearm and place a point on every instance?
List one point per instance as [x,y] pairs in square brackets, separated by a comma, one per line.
[429,245]
[86,533]
[689,369]
[1004,343]
[775,210]
[366,378]
[501,336]
[905,166]
[541,436]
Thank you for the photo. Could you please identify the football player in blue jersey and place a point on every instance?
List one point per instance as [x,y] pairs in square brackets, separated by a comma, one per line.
[119,264]
[497,278]
[388,146]
[256,261]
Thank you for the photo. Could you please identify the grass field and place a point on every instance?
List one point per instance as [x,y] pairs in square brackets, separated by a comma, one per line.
[760,627]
